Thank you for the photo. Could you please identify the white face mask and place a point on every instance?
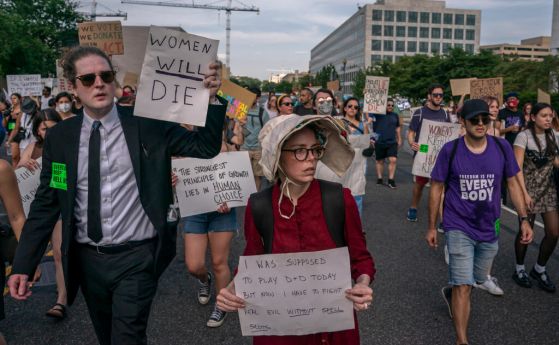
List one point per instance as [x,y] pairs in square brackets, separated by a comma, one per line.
[64,107]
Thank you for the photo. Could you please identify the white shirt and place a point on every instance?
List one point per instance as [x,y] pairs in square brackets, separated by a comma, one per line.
[122,216]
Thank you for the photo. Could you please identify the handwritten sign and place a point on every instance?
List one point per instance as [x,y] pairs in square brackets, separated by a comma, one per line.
[487,87]
[63,84]
[239,99]
[376,94]
[106,36]
[460,87]
[295,294]
[431,139]
[204,184]
[333,85]
[28,181]
[543,97]
[25,84]
[172,78]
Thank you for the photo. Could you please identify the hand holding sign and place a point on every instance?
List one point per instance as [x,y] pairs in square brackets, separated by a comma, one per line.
[212,81]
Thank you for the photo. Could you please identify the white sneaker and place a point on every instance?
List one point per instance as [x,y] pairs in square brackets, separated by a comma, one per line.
[491,286]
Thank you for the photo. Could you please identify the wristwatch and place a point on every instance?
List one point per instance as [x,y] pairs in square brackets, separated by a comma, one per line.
[524,218]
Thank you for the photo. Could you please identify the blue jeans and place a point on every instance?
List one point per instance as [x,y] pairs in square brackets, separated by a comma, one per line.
[469,260]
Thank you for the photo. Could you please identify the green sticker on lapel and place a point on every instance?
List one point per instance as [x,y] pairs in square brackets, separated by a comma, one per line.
[11,126]
[58,178]
[497,227]
[423,148]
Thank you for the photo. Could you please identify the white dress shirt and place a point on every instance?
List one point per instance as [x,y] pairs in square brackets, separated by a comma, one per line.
[122,216]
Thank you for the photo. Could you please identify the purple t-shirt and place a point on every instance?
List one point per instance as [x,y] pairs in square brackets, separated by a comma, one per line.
[472,201]
[425,113]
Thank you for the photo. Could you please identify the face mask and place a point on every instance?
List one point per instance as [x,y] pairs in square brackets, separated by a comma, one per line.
[513,103]
[65,107]
[324,108]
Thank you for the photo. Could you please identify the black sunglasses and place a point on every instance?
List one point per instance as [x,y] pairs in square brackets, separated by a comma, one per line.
[351,106]
[89,79]
[485,119]
[437,94]
[287,104]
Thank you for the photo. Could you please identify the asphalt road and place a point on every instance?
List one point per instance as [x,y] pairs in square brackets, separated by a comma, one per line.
[408,308]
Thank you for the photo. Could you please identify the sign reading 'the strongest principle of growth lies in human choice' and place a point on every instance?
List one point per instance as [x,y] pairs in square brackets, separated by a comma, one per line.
[172,79]
[295,294]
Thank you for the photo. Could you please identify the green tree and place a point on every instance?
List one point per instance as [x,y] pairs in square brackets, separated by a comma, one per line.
[246,82]
[34,32]
[326,74]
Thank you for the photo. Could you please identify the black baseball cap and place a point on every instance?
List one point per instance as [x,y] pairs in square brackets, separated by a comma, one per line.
[473,108]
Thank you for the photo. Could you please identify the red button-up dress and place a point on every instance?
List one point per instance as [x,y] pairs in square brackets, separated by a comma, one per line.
[307,231]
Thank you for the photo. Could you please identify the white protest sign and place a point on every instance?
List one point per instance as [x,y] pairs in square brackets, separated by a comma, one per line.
[432,137]
[25,84]
[204,184]
[376,94]
[28,181]
[354,177]
[172,79]
[295,294]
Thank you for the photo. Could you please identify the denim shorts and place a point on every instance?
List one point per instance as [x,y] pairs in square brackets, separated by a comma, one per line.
[210,222]
[469,260]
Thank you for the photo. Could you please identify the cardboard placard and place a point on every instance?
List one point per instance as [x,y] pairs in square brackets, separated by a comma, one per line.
[204,184]
[28,181]
[432,138]
[460,87]
[333,85]
[487,87]
[106,36]
[25,84]
[239,99]
[544,97]
[376,94]
[63,84]
[172,79]
[295,294]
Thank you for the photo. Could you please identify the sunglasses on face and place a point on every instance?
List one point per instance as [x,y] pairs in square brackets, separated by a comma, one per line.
[89,79]
[437,94]
[287,104]
[351,106]
[485,119]
[302,153]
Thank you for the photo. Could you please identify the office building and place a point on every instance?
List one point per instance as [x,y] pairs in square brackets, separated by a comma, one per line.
[533,49]
[390,29]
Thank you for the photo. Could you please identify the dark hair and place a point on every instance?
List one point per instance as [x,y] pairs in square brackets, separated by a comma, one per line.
[435,86]
[62,95]
[551,146]
[524,107]
[6,102]
[18,95]
[324,91]
[42,116]
[48,89]
[358,114]
[255,91]
[128,86]
[77,53]
[52,102]
[308,90]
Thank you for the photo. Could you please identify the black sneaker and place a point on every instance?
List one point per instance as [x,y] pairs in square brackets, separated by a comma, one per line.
[217,318]
[447,297]
[380,181]
[391,184]
[543,280]
[521,278]
[204,290]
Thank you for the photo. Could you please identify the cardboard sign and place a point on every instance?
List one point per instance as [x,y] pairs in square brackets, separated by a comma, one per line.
[172,80]
[25,84]
[239,99]
[106,36]
[204,184]
[487,87]
[543,97]
[130,79]
[333,85]
[432,138]
[376,94]
[460,87]
[28,181]
[63,84]
[295,294]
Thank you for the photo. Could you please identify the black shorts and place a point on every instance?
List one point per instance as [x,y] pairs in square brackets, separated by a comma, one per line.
[383,151]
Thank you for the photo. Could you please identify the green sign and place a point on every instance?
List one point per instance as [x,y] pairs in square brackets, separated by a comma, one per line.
[497,226]
[423,148]
[58,178]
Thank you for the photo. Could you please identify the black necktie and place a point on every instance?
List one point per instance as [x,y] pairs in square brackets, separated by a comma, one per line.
[94,231]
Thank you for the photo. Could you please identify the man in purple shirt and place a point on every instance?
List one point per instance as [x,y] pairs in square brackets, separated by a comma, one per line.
[470,170]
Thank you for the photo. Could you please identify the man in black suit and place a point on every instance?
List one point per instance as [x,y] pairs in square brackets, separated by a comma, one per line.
[108,175]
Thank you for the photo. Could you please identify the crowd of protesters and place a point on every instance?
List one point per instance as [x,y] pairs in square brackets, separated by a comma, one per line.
[286,137]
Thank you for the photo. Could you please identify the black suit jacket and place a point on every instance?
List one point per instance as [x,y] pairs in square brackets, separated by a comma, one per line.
[151,144]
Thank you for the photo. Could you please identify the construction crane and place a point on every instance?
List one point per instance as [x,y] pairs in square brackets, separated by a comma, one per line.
[228,9]
[94,14]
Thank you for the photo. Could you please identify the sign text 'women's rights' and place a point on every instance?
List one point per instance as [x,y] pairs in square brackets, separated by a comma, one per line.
[295,294]
[204,184]
[172,79]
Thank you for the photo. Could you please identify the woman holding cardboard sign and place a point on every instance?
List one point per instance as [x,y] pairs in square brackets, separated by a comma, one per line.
[289,216]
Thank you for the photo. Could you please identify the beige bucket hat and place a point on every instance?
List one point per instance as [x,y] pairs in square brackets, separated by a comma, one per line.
[338,153]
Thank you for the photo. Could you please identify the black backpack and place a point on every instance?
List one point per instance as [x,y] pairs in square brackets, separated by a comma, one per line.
[333,207]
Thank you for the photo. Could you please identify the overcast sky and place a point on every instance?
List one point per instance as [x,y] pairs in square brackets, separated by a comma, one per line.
[285,31]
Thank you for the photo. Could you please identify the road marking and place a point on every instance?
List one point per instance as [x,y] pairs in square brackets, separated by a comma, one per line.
[510,210]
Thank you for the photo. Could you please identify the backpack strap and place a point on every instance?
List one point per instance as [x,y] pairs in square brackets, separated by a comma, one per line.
[450,160]
[263,216]
[260,113]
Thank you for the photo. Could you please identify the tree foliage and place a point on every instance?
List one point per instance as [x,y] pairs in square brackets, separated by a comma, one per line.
[33,34]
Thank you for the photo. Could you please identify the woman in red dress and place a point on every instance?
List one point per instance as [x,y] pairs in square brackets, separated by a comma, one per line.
[292,146]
